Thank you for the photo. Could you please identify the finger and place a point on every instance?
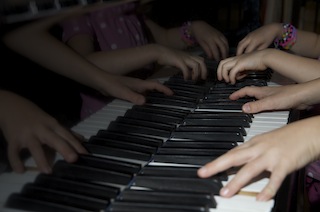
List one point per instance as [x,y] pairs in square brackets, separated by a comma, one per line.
[71,140]
[234,157]
[275,181]
[242,178]
[243,92]
[39,156]
[206,49]
[131,96]
[215,52]
[223,48]
[195,69]
[14,159]
[61,145]
[202,67]
[233,74]
[258,106]
[242,46]
[154,85]
[185,70]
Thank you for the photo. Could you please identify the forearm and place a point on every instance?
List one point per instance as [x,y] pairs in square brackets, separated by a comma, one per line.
[167,37]
[124,61]
[37,44]
[307,44]
[309,92]
[297,68]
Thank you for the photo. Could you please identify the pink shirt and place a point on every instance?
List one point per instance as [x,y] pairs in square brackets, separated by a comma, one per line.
[110,28]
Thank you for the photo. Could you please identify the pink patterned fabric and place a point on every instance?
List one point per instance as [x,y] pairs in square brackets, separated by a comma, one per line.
[111,28]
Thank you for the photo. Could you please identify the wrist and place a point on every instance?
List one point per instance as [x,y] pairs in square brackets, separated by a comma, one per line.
[287,38]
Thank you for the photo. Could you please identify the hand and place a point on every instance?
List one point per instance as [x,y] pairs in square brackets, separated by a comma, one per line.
[276,98]
[212,41]
[260,39]
[132,89]
[26,126]
[236,68]
[279,152]
[192,67]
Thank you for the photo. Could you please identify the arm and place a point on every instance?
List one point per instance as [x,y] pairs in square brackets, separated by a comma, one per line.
[212,41]
[297,68]
[307,43]
[300,96]
[26,126]
[35,42]
[125,60]
[278,152]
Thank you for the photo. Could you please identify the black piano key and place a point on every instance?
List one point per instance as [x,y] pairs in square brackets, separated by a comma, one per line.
[223,121]
[89,174]
[117,152]
[164,197]
[200,144]
[20,202]
[176,96]
[145,123]
[119,206]
[179,184]
[221,106]
[180,112]
[209,136]
[154,117]
[199,128]
[139,139]
[184,159]
[165,150]
[192,94]
[122,145]
[90,189]
[111,164]
[68,3]
[208,115]
[177,171]
[115,126]
[182,84]
[170,102]
[64,198]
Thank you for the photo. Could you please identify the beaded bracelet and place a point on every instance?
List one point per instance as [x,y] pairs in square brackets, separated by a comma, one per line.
[185,34]
[288,38]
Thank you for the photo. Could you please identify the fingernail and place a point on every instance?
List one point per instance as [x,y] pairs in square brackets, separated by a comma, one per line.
[224,191]
[246,108]
[203,171]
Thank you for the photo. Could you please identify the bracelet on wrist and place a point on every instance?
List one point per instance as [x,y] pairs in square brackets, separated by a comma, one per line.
[185,34]
[288,38]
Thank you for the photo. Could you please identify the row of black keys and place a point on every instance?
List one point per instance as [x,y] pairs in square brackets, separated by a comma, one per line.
[160,132]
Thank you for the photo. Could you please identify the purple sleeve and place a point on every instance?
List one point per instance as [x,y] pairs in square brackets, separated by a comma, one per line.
[76,26]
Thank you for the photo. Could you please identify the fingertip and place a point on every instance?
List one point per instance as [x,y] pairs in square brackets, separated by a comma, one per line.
[246,108]
[225,192]
[203,172]
[71,157]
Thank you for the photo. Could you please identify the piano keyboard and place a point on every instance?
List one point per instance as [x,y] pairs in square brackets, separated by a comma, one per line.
[144,158]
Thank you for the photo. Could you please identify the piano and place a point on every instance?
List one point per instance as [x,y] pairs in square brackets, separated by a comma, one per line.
[144,158]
